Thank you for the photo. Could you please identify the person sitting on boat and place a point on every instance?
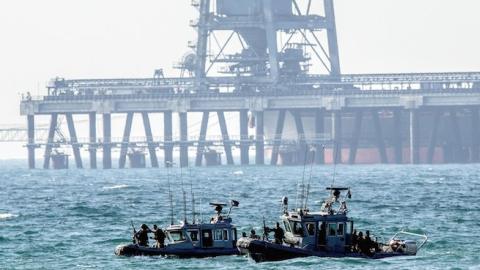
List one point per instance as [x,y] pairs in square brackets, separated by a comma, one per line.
[278,233]
[364,244]
[159,236]
[142,235]
[370,243]
[253,235]
[354,241]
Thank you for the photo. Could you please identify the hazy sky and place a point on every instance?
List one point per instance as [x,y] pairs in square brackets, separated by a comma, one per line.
[43,39]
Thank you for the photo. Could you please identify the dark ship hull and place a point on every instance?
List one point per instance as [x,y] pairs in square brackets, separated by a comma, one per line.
[261,251]
[136,250]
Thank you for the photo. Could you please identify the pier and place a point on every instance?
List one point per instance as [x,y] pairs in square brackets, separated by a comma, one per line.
[265,64]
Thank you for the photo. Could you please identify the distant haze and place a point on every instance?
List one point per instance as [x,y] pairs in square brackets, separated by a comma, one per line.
[40,40]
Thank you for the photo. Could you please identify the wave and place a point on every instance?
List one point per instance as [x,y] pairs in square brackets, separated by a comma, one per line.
[4,216]
[238,173]
[116,187]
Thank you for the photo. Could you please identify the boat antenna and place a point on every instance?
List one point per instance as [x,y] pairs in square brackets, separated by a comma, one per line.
[193,196]
[184,197]
[302,198]
[170,197]
[310,177]
[334,164]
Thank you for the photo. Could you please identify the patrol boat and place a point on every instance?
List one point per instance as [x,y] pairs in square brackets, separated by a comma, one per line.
[326,233]
[216,238]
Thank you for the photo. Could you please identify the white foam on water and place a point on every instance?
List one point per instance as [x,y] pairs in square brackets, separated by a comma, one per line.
[7,216]
[116,187]
[238,173]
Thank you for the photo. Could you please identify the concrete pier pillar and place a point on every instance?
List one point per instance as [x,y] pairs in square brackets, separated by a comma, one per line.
[459,153]
[278,137]
[201,139]
[50,141]
[414,137]
[107,140]
[183,118]
[227,145]
[74,140]
[437,115]
[357,129]
[259,139]
[337,136]
[475,151]
[168,138]
[92,149]
[319,134]
[380,141]
[244,139]
[151,145]
[397,136]
[31,141]
[302,154]
[125,141]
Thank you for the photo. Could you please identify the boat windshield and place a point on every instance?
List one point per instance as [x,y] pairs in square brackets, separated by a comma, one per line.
[176,236]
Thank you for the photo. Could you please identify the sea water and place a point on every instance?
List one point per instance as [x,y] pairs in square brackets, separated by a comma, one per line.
[74,219]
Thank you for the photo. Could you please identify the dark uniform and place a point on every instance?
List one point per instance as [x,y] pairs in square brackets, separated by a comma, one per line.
[278,234]
[159,236]
[142,236]
[253,235]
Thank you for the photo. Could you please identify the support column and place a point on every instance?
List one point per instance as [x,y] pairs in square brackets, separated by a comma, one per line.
[151,145]
[168,138]
[227,144]
[50,141]
[107,140]
[337,136]
[357,130]
[183,118]
[457,142]
[74,141]
[125,141]
[414,137]
[202,138]
[259,139]
[433,138]
[397,136]
[92,149]
[244,139]
[475,151]
[319,134]
[278,137]
[31,141]
[302,154]
[379,137]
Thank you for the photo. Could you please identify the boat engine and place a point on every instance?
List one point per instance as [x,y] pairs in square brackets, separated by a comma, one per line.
[410,247]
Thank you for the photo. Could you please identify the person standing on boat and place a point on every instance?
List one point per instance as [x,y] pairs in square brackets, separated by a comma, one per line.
[159,236]
[278,233]
[142,235]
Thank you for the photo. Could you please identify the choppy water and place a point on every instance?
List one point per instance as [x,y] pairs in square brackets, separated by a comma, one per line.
[74,219]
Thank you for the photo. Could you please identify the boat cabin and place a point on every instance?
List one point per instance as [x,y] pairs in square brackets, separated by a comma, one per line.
[220,233]
[328,230]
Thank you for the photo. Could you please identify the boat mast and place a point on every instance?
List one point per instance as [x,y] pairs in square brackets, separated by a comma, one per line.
[170,196]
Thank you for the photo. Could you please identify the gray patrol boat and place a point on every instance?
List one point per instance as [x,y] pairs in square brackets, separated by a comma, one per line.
[216,238]
[325,233]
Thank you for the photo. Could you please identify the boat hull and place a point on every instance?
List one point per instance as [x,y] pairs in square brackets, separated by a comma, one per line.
[136,250]
[261,251]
